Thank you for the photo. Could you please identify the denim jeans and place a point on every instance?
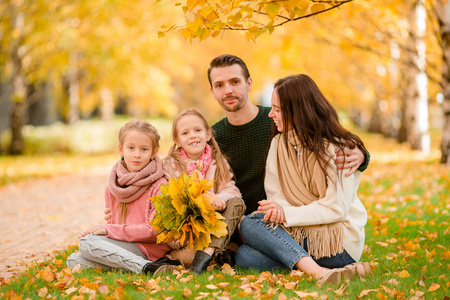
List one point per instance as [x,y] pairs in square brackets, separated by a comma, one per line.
[267,248]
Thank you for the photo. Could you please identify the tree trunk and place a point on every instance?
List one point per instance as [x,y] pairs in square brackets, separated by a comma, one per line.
[41,110]
[74,91]
[107,105]
[18,94]
[443,14]
[5,105]
[415,113]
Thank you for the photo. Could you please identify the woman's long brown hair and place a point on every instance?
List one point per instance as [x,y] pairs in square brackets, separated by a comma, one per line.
[314,120]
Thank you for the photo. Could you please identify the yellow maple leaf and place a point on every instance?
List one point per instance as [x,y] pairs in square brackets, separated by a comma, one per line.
[199,201]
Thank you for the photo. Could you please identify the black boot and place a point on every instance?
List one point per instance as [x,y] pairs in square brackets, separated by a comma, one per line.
[226,257]
[155,267]
[200,262]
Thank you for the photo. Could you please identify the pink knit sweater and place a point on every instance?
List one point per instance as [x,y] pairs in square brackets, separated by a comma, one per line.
[136,228]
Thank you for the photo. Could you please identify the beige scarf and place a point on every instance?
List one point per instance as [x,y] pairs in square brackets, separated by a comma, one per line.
[296,180]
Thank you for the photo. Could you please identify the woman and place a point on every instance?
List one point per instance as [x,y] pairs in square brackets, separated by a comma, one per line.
[313,220]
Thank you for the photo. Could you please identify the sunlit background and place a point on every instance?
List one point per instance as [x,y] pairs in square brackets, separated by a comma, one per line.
[74,61]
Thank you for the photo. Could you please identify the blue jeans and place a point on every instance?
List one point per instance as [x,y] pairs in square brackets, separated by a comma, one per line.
[267,248]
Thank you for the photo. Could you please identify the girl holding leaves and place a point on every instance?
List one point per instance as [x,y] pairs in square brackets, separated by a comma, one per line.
[127,241]
[195,150]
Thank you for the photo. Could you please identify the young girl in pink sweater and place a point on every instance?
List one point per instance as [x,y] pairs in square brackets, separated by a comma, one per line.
[127,241]
[196,150]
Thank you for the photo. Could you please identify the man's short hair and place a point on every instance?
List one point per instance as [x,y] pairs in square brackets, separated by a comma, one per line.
[226,60]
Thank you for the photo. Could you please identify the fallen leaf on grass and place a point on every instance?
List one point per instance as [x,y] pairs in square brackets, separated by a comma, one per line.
[186,279]
[393,281]
[227,269]
[419,293]
[382,244]
[402,274]
[366,292]
[296,274]
[76,269]
[341,289]
[433,287]
[70,290]
[211,287]
[282,296]
[103,289]
[223,285]
[64,282]
[187,292]
[48,276]
[119,292]
[290,285]
[391,292]
[302,294]
[391,256]
[42,292]
[83,290]
[410,245]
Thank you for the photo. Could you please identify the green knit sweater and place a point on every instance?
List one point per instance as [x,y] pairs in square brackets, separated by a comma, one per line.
[246,147]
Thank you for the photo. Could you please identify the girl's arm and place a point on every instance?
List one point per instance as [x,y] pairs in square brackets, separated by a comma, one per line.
[331,208]
[132,233]
[230,190]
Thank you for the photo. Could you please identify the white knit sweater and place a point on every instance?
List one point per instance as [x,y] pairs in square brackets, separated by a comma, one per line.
[340,203]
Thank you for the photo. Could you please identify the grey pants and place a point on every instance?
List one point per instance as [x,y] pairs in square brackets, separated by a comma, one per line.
[100,251]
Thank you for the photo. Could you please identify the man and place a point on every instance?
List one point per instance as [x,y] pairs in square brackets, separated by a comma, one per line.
[244,134]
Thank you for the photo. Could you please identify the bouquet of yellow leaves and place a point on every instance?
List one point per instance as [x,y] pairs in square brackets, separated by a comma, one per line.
[184,212]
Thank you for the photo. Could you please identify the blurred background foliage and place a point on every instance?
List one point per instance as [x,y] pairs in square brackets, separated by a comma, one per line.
[63,63]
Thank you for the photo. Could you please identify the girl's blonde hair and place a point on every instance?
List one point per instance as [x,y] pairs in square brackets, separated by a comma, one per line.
[222,175]
[143,127]
[147,129]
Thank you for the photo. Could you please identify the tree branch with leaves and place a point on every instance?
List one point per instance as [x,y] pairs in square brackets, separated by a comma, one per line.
[256,17]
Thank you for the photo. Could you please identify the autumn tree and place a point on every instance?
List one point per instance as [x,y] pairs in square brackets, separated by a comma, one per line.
[23,30]
[443,15]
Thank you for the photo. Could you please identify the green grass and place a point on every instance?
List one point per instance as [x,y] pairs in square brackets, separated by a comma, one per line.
[407,196]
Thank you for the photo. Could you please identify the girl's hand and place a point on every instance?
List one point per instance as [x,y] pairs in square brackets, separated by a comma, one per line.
[108,214]
[273,212]
[353,159]
[219,204]
[99,229]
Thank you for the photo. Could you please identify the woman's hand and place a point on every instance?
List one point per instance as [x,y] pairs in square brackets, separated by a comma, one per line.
[99,229]
[108,214]
[219,204]
[273,212]
[353,159]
